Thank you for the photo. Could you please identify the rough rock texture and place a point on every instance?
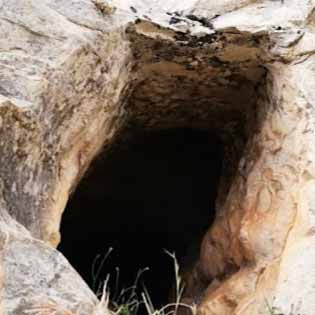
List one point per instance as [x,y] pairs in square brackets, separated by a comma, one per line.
[75,74]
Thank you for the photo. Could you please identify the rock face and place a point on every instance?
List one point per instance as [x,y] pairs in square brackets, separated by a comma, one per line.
[75,74]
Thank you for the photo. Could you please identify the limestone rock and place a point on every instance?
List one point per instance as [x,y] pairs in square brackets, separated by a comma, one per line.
[74,73]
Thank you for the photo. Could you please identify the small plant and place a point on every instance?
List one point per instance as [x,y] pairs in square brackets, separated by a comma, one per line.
[127,301]
[97,267]
[170,308]
[123,301]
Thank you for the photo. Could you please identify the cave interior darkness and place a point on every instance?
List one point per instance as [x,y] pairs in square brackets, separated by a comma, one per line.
[158,192]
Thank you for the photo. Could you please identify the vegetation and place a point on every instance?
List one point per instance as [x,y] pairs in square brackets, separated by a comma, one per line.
[127,301]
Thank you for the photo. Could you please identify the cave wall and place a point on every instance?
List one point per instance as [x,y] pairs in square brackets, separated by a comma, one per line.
[74,73]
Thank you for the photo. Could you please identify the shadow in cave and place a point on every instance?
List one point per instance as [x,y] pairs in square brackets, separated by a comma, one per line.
[156,193]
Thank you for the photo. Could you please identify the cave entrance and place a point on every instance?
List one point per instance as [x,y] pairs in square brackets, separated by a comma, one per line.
[153,192]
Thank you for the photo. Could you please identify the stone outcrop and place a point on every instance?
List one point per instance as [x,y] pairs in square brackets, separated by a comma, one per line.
[75,75]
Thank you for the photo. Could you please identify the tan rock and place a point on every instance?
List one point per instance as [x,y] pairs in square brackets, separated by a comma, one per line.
[72,75]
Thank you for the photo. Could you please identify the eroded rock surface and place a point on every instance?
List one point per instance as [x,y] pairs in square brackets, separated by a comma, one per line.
[74,75]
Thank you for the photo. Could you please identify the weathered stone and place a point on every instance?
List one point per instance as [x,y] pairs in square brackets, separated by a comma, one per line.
[75,74]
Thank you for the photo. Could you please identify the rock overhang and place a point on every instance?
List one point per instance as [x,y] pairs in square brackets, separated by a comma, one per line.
[216,74]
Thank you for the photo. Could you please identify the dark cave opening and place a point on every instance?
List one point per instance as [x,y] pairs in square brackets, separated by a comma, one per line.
[158,192]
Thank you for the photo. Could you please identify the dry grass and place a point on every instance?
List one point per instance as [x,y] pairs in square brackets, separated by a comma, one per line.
[127,301]
[122,302]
